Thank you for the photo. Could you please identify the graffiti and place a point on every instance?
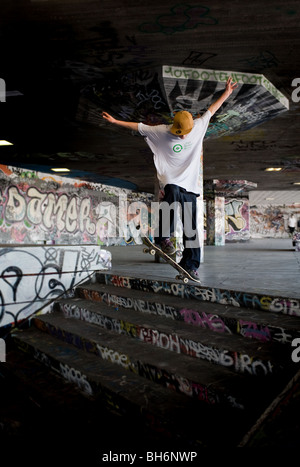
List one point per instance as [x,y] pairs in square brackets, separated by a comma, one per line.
[226,297]
[137,96]
[207,321]
[153,96]
[197,58]
[261,145]
[144,306]
[228,115]
[91,317]
[241,145]
[38,209]
[265,59]
[215,226]
[178,383]
[41,357]
[76,377]
[180,18]
[255,100]
[218,323]
[265,333]
[233,215]
[199,74]
[239,362]
[237,219]
[83,380]
[65,212]
[172,342]
[164,376]
[42,274]
[114,356]
[270,221]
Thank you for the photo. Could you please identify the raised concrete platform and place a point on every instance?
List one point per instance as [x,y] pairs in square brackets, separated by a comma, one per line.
[267,266]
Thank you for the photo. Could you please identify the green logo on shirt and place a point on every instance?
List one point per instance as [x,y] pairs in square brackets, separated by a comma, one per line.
[177,148]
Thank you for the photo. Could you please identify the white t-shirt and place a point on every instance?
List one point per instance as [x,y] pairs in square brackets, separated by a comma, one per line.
[177,160]
[292,221]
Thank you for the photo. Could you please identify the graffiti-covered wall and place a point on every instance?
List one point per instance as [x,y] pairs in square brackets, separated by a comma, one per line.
[237,226]
[52,230]
[32,276]
[271,221]
[41,208]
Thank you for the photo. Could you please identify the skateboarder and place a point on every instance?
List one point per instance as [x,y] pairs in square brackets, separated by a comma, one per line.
[292,222]
[177,151]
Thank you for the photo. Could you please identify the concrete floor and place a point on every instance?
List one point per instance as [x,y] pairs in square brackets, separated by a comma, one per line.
[261,265]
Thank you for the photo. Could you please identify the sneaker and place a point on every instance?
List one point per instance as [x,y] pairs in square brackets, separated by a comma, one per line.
[194,274]
[167,247]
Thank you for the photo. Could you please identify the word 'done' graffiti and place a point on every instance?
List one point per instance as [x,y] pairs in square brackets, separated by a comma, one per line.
[49,209]
[36,213]
[89,216]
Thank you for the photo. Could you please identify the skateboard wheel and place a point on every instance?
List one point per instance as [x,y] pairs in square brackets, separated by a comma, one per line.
[145,250]
[182,278]
[152,252]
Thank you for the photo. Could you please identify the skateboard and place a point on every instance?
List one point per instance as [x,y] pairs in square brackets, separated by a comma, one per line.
[155,250]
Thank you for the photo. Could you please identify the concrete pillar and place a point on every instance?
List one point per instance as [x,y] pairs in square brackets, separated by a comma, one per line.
[215,221]
[200,209]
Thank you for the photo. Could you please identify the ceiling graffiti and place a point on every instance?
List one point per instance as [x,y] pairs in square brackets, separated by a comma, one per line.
[254,102]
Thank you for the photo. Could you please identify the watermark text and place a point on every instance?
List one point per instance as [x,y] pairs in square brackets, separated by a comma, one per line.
[296,352]
[2,351]
[2,90]
[296,92]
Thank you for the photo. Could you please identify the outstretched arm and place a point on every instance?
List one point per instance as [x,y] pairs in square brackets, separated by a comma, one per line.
[230,86]
[130,125]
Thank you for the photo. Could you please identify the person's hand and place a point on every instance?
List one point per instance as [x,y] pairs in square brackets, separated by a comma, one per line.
[230,86]
[108,117]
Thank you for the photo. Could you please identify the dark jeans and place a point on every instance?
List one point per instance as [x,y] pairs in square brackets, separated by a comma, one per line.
[186,203]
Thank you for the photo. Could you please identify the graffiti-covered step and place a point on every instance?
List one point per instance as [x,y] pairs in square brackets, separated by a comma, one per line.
[234,352]
[285,305]
[264,326]
[143,403]
[198,378]
[117,390]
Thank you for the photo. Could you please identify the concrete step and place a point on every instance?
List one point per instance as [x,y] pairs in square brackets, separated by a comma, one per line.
[193,377]
[38,404]
[181,348]
[265,302]
[264,326]
[233,352]
[150,412]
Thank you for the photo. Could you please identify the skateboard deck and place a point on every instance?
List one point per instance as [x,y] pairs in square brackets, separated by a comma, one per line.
[155,250]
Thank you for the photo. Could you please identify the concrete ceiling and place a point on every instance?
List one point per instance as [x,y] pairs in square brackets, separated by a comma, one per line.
[64,61]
